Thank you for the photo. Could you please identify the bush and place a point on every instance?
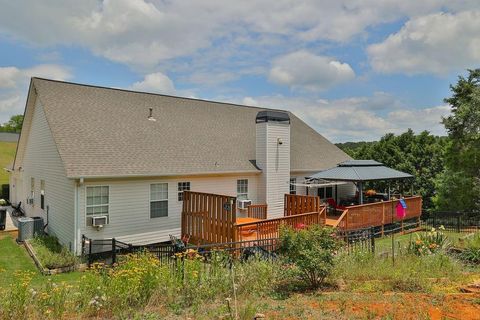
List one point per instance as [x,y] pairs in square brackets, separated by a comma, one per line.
[51,253]
[310,251]
[429,242]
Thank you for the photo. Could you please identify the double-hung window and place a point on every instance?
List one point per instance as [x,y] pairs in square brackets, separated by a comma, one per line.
[159,200]
[182,186]
[97,202]
[242,189]
[293,187]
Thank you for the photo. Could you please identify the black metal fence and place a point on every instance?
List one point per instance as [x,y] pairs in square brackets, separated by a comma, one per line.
[452,221]
[107,250]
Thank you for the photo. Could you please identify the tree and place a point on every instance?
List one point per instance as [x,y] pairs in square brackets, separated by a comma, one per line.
[13,125]
[459,185]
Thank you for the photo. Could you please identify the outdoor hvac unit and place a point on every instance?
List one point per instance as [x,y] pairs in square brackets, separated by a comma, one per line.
[25,229]
[37,226]
[99,221]
[243,204]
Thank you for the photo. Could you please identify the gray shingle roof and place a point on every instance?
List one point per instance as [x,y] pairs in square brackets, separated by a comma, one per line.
[361,170]
[104,132]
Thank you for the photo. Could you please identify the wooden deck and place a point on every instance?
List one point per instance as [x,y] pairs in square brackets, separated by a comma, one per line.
[375,214]
[211,218]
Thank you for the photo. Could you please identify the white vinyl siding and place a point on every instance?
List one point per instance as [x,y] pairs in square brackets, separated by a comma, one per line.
[274,160]
[158,200]
[129,207]
[41,161]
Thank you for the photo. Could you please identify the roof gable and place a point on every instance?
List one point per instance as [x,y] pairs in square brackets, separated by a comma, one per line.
[103,132]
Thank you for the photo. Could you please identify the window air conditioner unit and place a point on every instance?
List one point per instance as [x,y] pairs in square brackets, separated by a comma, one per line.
[99,221]
[243,204]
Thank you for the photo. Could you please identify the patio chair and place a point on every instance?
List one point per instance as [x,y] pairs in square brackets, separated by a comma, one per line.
[332,203]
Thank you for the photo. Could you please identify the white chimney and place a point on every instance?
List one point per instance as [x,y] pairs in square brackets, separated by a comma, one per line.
[273,158]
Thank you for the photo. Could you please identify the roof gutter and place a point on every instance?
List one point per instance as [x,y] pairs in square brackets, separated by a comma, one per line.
[219,173]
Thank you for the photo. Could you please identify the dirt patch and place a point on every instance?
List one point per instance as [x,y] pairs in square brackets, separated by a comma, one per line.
[402,306]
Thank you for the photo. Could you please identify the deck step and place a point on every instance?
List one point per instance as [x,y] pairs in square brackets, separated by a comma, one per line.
[330,222]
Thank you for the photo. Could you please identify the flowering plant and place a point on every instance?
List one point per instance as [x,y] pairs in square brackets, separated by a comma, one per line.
[429,242]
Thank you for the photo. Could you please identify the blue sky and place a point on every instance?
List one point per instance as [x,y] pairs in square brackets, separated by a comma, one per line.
[353,70]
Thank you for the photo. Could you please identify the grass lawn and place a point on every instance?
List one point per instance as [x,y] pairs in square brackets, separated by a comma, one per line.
[384,245]
[14,257]
[7,155]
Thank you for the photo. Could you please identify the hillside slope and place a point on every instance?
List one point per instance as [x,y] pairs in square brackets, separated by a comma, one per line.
[7,155]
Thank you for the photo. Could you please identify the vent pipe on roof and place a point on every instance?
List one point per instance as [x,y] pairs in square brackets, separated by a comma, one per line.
[150,115]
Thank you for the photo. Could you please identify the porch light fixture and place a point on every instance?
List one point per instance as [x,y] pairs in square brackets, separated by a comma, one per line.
[279,141]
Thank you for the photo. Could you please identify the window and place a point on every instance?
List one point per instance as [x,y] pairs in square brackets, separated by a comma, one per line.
[293,187]
[97,202]
[325,192]
[159,200]
[242,189]
[32,191]
[182,186]
[42,194]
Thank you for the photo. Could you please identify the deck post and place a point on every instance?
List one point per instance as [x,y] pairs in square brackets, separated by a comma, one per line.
[383,219]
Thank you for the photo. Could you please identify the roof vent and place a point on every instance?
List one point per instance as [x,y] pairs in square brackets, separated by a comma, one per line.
[269,115]
[150,115]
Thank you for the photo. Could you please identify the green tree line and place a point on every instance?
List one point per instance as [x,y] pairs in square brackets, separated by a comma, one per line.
[446,169]
[13,125]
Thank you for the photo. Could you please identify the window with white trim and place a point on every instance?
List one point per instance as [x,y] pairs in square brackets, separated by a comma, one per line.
[242,189]
[159,200]
[182,186]
[293,187]
[97,202]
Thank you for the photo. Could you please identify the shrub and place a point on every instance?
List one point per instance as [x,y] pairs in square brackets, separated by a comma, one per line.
[51,253]
[429,242]
[311,252]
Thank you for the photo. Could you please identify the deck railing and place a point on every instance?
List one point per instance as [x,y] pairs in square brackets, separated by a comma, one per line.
[208,218]
[378,214]
[257,211]
[297,204]
[269,228]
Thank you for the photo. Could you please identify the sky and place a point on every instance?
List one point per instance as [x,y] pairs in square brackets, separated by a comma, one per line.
[353,70]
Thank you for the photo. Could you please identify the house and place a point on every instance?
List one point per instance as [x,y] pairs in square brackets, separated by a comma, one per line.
[91,155]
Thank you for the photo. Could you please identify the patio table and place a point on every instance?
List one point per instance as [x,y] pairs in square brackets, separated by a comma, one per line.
[250,229]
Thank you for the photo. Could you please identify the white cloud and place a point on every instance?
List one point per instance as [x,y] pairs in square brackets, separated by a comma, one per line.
[302,69]
[142,34]
[354,119]
[155,82]
[436,43]
[14,85]
[8,76]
